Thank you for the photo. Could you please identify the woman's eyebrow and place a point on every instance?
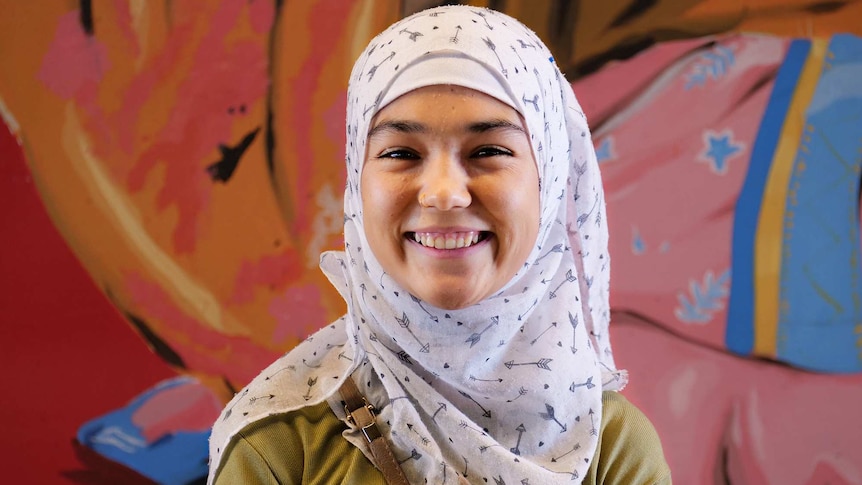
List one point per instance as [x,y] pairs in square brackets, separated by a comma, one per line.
[399,126]
[495,124]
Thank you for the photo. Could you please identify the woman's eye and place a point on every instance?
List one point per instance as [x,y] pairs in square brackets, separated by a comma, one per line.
[399,153]
[492,152]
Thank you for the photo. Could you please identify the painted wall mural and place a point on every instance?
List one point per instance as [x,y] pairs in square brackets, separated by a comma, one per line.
[190,155]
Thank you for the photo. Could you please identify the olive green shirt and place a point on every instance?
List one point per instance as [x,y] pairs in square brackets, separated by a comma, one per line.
[306,447]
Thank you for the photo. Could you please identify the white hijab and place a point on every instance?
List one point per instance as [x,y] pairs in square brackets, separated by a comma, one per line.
[509,389]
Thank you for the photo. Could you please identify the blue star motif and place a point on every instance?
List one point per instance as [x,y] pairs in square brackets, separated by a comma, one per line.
[605,149]
[720,149]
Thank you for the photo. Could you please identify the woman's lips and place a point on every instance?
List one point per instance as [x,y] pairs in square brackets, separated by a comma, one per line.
[448,240]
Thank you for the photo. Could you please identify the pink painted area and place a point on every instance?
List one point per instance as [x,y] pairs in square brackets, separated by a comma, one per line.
[603,93]
[202,348]
[74,60]
[190,407]
[298,312]
[327,17]
[661,189]
[726,419]
[333,119]
[275,271]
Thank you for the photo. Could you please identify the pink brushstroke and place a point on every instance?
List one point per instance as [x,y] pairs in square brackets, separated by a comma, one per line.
[298,312]
[190,407]
[74,60]
[275,271]
[124,23]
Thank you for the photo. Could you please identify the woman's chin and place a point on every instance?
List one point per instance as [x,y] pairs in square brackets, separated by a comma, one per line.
[449,300]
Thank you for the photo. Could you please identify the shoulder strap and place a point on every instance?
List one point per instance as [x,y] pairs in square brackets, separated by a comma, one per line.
[361,415]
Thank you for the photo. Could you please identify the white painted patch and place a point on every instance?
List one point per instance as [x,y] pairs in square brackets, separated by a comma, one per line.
[10,120]
[329,221]
[680,391]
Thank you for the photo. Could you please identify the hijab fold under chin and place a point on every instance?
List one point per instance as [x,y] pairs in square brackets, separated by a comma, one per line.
[508,389]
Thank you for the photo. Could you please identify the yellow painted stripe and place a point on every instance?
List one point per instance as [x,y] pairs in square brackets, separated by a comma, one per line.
[768,246]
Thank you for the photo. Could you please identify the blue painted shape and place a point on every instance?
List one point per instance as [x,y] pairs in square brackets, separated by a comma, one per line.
[175,459]
[739,334]
[713,65]
[820,271]
[688,312]
[719,149]
[706,298]
[604,151]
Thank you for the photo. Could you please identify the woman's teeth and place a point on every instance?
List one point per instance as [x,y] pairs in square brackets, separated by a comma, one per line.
[456,240]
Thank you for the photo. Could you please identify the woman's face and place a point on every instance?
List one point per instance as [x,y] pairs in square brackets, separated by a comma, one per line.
[450,194]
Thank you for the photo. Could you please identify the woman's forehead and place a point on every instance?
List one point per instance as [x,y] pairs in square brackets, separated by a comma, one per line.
[448,101]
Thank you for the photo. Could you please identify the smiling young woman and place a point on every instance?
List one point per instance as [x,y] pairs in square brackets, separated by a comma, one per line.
[450,194]
[475,270]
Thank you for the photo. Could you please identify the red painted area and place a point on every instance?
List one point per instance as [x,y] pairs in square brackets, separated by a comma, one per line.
[66,355]
[261,15]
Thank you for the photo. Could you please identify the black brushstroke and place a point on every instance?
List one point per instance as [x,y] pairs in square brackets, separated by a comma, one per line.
[159,346]
[269,145]
[230,387]
[86,11]
[722,476]
[826,7]
[222,170]
[622,51]
[635,9]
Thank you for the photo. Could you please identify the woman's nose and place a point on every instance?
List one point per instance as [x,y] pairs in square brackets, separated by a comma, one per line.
[444,184]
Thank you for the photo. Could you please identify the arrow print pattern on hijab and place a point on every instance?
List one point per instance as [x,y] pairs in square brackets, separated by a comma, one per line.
[548,415]
[485,412]
[404,322]
[475,337]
